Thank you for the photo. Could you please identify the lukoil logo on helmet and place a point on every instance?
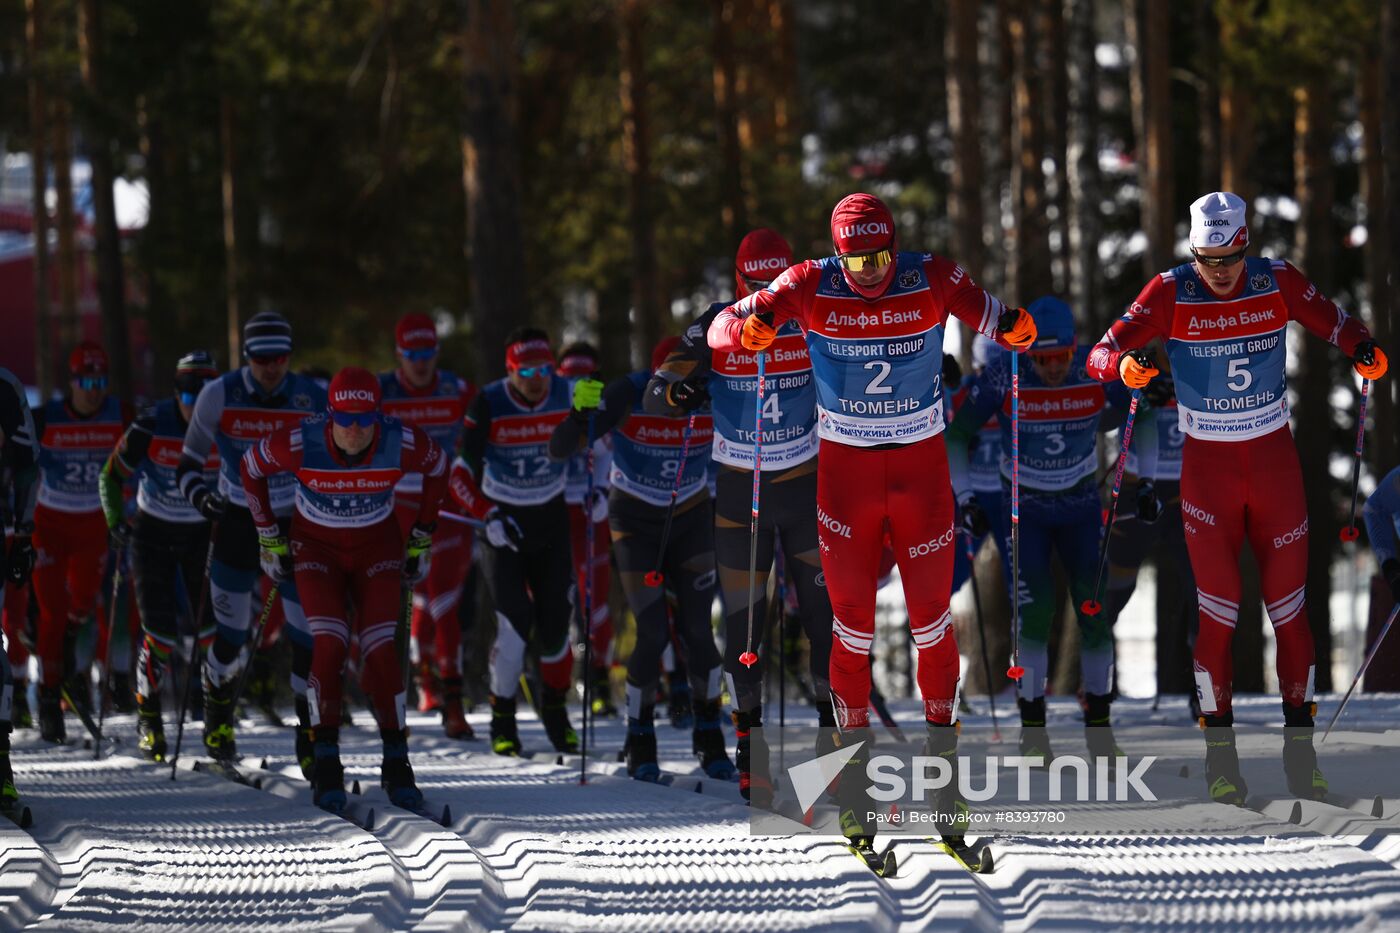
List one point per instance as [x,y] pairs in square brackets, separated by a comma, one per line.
[421,334]
[869,228]
[354,395]
[760,265]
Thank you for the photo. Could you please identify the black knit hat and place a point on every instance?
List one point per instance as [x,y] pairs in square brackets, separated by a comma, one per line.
[267,333]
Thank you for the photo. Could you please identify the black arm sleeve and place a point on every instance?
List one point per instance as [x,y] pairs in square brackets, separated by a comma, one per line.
[569,436]
[476,434]
[689,361]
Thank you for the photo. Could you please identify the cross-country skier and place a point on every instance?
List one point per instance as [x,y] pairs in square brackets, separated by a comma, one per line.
[873,318]
[526,558]
[75,434]
[422,394]
[1382,515]
[693,374]
[345,550]
[18,488]
[1062,411]
[1224,318]
[168,539]
[647,466]
[233,413]
[579,360]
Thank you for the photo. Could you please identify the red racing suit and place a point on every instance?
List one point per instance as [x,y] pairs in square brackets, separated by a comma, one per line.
[882,465]
[1240,475]
[347,548]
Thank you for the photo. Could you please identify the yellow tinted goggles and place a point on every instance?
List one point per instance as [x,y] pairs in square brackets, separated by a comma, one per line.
[859,262]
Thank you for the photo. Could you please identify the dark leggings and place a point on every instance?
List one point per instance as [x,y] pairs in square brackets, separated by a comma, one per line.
[787,514]
[161,551]
[689,569]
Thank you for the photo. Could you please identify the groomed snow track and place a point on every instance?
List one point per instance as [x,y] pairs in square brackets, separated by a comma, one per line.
[116,843]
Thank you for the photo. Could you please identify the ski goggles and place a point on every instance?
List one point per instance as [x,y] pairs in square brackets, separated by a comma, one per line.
[1050,357]
[420,355]
[1215,262]
[859,262]
[530,372]
[755,285]
[359,419]
[187,398]
[91,383]
[269,360]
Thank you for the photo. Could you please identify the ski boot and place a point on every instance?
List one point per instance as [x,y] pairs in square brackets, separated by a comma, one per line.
[149,728]
[1098,733]
[262,687]
[751,758]
[218,719]
[601,698]
[1035,740]
[454,719]
[51,715]
[328,776]
[20,717]
[641,750]
[505,736]
[680,703]
[123,699]
[305,741]
[949,808]
[1223,778]
[853,801]
[1305,780]
[707,742]
[396,774]
[554,716]
[428,698]
[9,794]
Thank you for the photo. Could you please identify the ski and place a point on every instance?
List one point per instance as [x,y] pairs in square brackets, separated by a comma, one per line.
[428,812]
[288,788]
[884,865]
[19,814]
[227,771]
[975,858]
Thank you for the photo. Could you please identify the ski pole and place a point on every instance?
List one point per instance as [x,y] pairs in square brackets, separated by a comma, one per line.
[1370,656]
[588,583]
[780,598]
[981,632]
[246,673]
[1092,606]
[107,665]
[1015,671]
[654,576]
[748,658]
[196,658]
[1350,533]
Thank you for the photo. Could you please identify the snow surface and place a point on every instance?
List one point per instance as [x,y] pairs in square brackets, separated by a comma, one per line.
[116,843]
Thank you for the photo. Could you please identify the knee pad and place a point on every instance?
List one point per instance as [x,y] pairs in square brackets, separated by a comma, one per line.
[507,658]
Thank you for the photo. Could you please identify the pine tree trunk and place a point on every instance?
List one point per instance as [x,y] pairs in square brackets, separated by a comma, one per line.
[1053,39]
[228,169]
[111,289]
[788,189]
[1207,53]
[38,132]
[733,211]
[965,185]
[1236,118]
[1313,188]
[636,155]
[491,178]
[1030,246]
[1383,222]
[62,135]
[1082,164]
[1149,28]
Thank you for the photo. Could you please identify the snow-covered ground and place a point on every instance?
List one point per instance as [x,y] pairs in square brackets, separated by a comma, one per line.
[116,843]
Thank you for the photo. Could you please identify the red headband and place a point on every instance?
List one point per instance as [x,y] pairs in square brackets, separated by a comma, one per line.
[526,352]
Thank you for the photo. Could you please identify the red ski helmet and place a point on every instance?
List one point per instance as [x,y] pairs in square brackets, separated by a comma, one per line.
[762,256]
[861,223]
[415,332]
[87,359]
[354,391]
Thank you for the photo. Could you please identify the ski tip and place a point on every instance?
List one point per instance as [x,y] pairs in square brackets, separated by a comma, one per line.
[890,865]
[446,815]
[559,760]
[986,861]
[699,786]
[87,744]
[1349,533]
[1091,607]
[257,783]
[1015,672]
[355,788]
[1185,771]
[1295,814]
[26,819]
[1378,807]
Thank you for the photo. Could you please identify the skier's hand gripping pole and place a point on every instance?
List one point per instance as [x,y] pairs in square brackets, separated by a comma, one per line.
[748,658]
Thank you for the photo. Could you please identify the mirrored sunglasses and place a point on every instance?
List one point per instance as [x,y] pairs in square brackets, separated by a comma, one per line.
[91,383]
[859,262]
[530,372]
[1215,262]
[421,355]
[361,419]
